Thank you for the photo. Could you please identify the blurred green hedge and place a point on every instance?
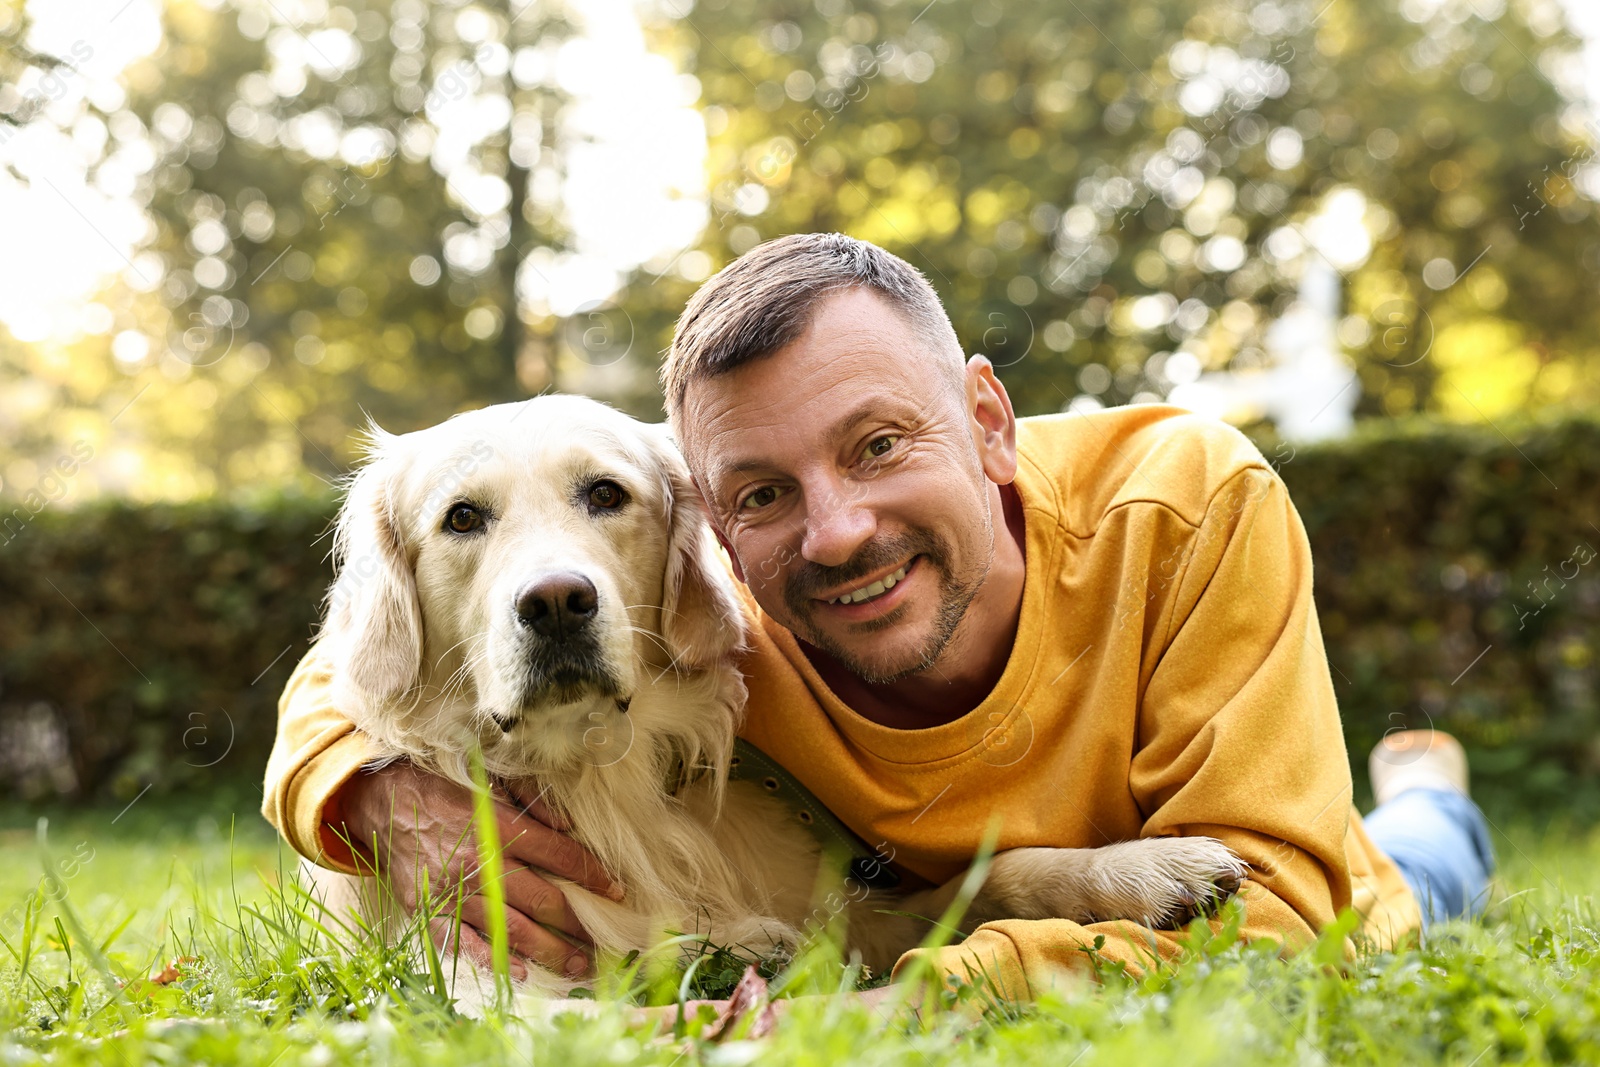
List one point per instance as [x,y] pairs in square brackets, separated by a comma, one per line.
[1458,583]
[1457,579]
[147,645]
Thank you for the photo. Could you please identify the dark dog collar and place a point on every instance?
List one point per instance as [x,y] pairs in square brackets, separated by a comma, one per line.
[862,863]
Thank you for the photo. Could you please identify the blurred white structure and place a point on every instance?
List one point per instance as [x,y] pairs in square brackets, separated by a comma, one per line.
[1310,390]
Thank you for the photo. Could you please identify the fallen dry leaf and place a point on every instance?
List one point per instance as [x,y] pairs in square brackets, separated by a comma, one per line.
[169,973]
[750,997]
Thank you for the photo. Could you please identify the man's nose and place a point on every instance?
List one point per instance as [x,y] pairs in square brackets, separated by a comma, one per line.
[837,525]
[557,605]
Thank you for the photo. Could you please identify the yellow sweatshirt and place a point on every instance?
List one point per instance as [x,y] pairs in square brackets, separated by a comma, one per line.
[1168,678]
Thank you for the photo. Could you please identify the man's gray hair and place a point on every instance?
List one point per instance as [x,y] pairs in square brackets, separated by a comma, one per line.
[764,300]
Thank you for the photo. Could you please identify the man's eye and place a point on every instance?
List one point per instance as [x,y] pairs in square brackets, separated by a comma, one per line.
[463,518]
[761,497]
[880,446]
[606,495]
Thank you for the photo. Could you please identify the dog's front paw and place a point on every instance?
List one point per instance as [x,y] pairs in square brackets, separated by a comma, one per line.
[1166,881]
[1160,881]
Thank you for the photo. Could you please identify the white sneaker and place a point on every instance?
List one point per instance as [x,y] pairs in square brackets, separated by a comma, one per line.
[1417,759]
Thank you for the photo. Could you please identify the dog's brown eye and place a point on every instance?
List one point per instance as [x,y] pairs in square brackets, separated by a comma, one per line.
[464,518]
[606,495]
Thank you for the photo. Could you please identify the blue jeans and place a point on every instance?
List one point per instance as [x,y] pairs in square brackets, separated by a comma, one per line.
[1440,842]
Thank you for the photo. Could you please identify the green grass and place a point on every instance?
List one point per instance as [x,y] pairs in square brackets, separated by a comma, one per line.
[263,987]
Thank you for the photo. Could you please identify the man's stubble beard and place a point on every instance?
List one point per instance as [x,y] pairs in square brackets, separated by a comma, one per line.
[955,597]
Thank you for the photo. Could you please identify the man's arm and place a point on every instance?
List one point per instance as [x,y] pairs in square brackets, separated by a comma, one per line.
[403,820]
[318,750]
[1239,739]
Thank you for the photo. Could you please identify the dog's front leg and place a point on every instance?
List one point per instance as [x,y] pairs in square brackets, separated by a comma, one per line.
[1162,882]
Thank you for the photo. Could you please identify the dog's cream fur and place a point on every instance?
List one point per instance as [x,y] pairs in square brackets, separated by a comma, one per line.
[431,661]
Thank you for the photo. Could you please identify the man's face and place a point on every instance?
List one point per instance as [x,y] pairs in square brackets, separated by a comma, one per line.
[845,478]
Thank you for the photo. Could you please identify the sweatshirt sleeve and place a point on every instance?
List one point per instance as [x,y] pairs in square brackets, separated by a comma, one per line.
[317,750]
[1238,739]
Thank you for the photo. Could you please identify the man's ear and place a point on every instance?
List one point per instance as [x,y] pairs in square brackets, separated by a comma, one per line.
[994,423]
[701,620]
[373,611]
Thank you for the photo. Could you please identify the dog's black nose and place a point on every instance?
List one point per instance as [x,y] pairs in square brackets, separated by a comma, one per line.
[558,605]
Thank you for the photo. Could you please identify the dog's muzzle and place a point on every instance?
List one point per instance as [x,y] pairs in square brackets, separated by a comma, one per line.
[557,614]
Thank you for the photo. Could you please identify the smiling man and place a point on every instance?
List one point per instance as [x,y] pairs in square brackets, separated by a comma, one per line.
[855,500]
[1086,628]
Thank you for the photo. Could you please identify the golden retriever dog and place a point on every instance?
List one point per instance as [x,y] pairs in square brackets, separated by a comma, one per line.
[538,581]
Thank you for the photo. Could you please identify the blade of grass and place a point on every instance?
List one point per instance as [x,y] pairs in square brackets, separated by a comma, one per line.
[920,977]
[490,878]
[430,950]
[111,938]
[66,918]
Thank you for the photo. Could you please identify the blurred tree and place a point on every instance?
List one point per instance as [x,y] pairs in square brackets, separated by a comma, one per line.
[342,208]
[341,200]
[44,391]
[29,80]
[1114,197]
[345,199]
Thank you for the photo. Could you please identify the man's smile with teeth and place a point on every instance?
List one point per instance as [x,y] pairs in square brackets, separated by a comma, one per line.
[877,588]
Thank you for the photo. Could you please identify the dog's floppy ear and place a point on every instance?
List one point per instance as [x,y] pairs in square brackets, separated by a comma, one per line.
[701,621]
[372,608]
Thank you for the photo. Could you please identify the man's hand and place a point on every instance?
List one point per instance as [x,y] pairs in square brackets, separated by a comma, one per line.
[408,821]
